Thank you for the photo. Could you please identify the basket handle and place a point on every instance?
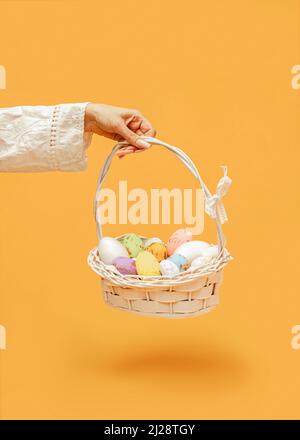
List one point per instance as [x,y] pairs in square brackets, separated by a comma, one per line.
[213,203]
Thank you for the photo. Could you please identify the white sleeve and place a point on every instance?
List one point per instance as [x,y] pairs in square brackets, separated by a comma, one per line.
[43,138]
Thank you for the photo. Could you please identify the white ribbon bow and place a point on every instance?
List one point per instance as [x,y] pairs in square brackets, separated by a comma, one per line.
[214,206]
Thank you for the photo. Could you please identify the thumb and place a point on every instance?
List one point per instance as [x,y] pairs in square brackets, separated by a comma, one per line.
[132,137]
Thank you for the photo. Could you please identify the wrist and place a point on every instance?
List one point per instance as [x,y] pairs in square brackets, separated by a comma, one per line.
[89,117]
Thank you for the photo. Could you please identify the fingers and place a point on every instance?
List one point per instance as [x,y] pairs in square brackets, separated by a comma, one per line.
[131,130]
[129,150]
[125,150]
[146,128]
[140,125]
[149,132]
[118,124]
[132,138]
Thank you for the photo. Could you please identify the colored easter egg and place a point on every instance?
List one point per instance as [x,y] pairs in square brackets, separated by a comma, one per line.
[158,250]
[178,238]
[192,249]
[168,268]
[152,240]
[110,248]
[179,260]
[125,265]
[147,264]
[133,243]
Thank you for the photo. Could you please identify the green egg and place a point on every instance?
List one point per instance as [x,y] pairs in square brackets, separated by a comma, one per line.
[133,243]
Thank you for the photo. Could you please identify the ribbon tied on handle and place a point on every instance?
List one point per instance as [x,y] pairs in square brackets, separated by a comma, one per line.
[214,206]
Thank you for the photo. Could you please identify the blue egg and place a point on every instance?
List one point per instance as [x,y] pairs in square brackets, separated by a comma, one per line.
[179,260]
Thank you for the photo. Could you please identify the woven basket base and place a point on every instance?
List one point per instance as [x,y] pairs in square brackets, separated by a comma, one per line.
[164,315]
[191,299]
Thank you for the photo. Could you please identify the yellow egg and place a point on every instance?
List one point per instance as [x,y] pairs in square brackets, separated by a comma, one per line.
[158,250]
[146,264]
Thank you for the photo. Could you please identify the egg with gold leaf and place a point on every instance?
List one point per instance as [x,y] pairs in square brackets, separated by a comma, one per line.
[147,264]
[178,238]
[158,250]
[133,243]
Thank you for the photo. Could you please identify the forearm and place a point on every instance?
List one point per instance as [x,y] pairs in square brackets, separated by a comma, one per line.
[43,138]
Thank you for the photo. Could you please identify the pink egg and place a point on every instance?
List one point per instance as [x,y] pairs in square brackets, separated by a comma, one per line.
[178,238]
[125,265]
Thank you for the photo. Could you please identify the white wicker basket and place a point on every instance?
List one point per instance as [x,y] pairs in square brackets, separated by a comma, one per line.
[189,293]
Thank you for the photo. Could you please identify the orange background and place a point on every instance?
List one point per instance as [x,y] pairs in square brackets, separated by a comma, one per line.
[214,77]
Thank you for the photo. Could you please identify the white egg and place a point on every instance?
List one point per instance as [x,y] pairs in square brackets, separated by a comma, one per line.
[150,241]
[168,268]
[192,249]
[200,261]
[110,248]
[208,255]
[211,251]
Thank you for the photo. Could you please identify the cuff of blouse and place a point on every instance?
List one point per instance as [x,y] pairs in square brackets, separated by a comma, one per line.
[69,141]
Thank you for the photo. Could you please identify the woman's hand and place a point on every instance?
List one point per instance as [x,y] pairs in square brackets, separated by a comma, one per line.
[119,124]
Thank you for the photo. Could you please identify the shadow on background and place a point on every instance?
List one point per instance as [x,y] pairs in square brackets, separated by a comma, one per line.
[205,366]
[180,368]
